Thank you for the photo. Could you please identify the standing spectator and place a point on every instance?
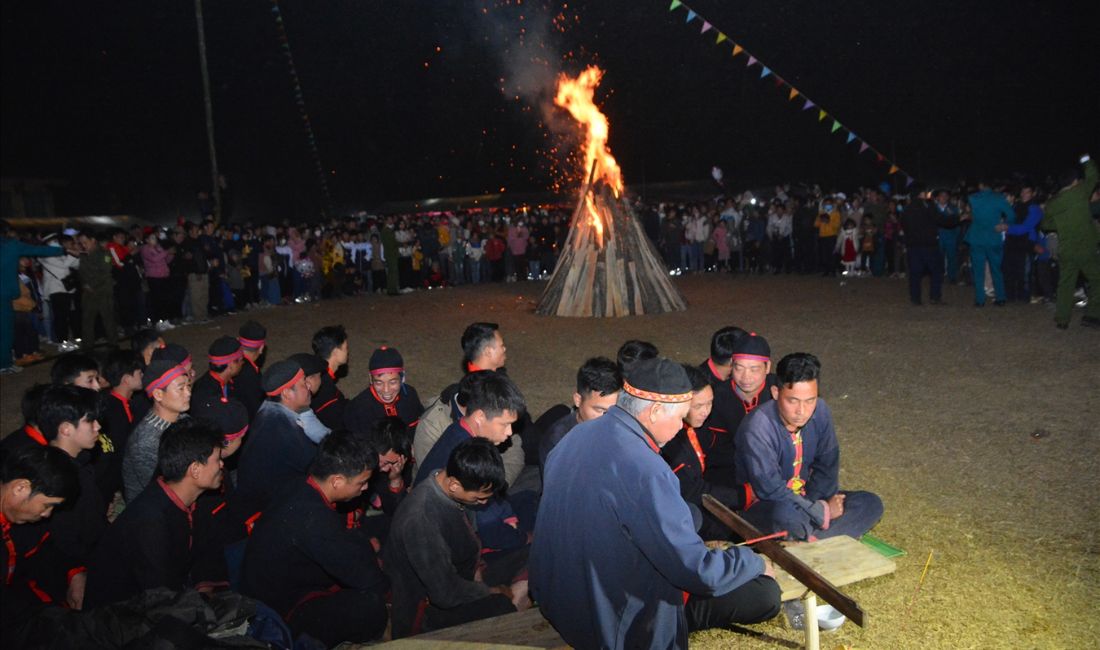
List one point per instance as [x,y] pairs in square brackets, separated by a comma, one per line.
[59,284]
[11,250]
[156,260]
[474,253]
[1019,242]
[518,237]
[780,229]
[25,340]
[198,284]
[494,253]
[828,227]
[721,240]
[990,214]
[97,297]
[949,235]
[1067,213]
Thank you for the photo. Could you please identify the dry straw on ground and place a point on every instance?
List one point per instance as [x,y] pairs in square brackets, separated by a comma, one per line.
[935,409]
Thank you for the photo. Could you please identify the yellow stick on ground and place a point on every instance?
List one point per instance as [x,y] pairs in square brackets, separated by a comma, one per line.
[920,582]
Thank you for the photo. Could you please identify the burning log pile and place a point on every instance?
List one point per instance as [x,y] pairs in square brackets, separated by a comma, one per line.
[608,266]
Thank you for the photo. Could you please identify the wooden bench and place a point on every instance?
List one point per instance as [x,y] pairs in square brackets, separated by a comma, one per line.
[526,629]
[842,560]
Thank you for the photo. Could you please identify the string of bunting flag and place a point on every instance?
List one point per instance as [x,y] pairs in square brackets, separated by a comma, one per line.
[793,93]
[299,99]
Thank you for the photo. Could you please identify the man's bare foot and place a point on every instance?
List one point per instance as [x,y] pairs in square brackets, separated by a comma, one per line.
[519,595]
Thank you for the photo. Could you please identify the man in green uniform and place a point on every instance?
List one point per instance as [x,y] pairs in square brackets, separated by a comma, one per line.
[97,293]
[389,252]
[1067,213]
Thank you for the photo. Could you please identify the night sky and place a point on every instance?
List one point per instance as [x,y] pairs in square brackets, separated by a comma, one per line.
[406,101]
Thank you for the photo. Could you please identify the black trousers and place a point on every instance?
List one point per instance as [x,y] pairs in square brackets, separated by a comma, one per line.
[752,602]
[925,259]
[345,615]
[826,256]
[1015,272]
[64,322]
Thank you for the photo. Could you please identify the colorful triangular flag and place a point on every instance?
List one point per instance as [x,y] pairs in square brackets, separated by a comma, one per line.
[893,169]
[721,37]
[737,49]
[821,115]
[863,146]
[851,136]
[675,3]
[752,60]
[691,15]
[836,126]
[765,72]
[792,95]
[706,26]
[878,157]
[808,105]
[908,180]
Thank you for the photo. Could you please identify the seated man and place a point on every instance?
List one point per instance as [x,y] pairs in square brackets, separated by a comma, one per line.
[150,544]
[27,435]
[433,556]
[748,388]
[326,582]
[169,386]
[598,384]
[33,481]
[787,454]
[226,361]
[685,455]
[68,417]
[77,369]
[123,370]
[387,396]
[330,343]
[314,369]
[248,387]
[277,451]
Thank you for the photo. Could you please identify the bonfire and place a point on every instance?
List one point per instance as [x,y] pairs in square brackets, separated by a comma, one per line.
[608,266]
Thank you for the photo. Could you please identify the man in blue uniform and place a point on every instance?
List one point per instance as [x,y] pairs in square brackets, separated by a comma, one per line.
[787,454]
[615,559]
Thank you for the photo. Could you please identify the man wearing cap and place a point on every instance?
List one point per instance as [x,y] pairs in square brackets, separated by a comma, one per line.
[314,369]
[748,387]
[278,451]
[226,361]
[614,561]
[331,345]
[247,386]
[789,459]
[178,355]
[169,386]
[387,396]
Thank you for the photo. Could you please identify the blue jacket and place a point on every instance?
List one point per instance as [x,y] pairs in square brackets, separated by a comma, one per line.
[615,545]
[988,209]
[1030,224]
[766,454]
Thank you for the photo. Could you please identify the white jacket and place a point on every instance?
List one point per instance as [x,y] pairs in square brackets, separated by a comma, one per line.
[56,269]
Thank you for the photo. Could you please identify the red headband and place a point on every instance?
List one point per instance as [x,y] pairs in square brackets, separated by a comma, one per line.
[225,359]
[657,397]
[293,380]
[162,382]
[379,371]
[230,437]
[251,343]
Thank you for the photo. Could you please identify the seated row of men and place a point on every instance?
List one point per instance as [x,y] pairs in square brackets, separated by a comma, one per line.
[448,492]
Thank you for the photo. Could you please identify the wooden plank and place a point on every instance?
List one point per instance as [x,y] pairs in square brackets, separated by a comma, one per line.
[842,560]
[778,554]
[526,629]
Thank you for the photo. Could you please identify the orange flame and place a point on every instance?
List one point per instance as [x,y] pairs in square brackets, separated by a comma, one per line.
[576,96]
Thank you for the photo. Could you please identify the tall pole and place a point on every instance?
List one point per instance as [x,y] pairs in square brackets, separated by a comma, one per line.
[216,189]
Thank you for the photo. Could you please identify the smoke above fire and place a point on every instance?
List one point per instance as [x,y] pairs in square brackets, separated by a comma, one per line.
[525,37]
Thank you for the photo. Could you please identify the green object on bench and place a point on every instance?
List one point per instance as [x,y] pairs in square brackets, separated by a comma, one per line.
[884,549]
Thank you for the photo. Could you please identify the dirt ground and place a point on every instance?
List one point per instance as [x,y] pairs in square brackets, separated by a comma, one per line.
[976,426]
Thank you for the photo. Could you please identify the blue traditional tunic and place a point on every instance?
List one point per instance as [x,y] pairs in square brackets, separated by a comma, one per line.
[799,469]
[615,546]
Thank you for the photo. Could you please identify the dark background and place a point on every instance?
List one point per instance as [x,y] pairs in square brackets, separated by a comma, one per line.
[108,96]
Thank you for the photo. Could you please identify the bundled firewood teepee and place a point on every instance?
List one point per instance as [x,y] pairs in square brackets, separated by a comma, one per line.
[608,266]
